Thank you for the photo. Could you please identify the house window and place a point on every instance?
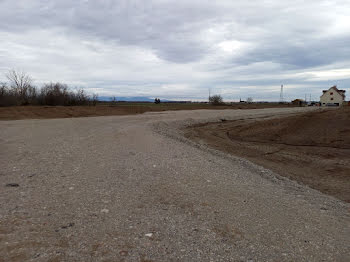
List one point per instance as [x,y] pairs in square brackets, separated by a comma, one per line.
[332,98]
[331,93]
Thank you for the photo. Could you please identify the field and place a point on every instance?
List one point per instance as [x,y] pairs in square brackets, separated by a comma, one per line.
[41,112]
[312,148]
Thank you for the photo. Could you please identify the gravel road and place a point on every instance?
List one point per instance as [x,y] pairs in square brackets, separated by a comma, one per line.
[132,188]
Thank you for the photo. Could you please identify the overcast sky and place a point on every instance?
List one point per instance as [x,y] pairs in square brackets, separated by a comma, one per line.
[179,49]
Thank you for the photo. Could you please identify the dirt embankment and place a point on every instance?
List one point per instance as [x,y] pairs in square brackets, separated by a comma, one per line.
[313,148]
[42,112]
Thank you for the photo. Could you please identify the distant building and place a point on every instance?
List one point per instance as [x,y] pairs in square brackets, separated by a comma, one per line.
[333,97]
[298,102]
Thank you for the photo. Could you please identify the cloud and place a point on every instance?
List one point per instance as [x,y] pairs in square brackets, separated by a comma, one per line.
[179,48]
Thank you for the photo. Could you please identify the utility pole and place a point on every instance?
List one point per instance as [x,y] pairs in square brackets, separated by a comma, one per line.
[209,96]
[281,95]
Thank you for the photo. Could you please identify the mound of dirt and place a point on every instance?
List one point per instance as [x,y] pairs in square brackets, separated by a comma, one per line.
[322,129]
[313,148]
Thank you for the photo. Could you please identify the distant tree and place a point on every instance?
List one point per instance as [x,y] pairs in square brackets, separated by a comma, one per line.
[216,100]
[81,97]
[21,85]
[5,95]
[3,89]
[20,91]
[157,101]
[113,100]
[249,100]
[94,99]
[56,94]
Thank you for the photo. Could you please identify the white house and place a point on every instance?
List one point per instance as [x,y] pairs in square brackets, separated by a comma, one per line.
[333,97]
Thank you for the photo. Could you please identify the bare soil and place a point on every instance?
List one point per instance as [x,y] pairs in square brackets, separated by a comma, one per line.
[312,148]
[43,112]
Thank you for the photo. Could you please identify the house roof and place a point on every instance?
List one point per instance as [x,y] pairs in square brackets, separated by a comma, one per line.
[340,92]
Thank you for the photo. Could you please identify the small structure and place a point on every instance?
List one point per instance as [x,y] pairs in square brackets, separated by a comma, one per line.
[333,97]
[298,102]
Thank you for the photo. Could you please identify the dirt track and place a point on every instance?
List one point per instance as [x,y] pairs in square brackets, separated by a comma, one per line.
[119,109]
[313,148]
[132,188]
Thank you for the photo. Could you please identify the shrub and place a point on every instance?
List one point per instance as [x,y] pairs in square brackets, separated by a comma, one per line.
[54,94]
[216,100]
[21,91]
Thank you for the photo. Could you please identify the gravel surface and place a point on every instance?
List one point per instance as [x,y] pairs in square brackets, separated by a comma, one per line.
[132,188]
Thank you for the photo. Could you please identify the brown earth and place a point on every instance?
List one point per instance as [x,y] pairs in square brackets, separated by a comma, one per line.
[41,112]
[312,149]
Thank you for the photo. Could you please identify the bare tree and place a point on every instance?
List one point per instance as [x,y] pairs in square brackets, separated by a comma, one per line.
[81,97]
[249,100]
[3,89]
[216,100]
[21,84]
[94,99]
[4,94]
[20,91]
[54,94]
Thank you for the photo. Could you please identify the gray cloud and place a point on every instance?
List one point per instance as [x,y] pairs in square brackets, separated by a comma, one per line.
[139,47]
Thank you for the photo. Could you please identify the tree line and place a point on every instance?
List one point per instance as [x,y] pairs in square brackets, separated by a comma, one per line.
[20,90]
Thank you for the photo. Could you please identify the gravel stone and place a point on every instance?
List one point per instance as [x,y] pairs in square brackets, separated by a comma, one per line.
[244,213]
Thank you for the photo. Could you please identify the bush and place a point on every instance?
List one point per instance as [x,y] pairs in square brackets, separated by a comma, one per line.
[54,94]
[6,97]
[216,100]
[58,94]
[20,91]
